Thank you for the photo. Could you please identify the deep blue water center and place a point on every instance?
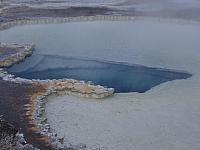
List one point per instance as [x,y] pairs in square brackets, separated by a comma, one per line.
[122,77]
[105,52]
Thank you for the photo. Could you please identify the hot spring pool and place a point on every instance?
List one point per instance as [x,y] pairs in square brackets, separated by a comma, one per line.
[126,55]
[104,52]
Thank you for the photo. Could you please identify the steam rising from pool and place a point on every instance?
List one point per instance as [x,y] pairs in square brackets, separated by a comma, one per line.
[106,52]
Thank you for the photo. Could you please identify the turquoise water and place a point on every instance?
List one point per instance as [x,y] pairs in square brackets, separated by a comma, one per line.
[103,52]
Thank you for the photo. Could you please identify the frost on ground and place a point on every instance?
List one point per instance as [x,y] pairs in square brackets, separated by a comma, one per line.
[11,139]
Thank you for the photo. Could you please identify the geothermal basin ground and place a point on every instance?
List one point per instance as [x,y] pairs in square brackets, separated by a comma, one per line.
[164,117]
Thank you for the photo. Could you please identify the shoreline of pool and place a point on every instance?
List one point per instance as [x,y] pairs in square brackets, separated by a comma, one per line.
[36,109]
[58,20]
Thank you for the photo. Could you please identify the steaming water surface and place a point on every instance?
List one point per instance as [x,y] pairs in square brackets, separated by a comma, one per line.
[166,117]
[105,52]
